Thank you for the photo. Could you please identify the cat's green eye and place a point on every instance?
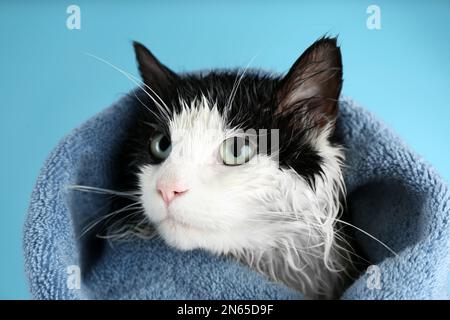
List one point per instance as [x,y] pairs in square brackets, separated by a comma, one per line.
[236,151]
[160,146]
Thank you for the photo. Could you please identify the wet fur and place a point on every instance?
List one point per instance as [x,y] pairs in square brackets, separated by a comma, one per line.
[293,235]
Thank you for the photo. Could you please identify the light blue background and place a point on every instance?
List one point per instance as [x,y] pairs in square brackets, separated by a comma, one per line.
[47,86]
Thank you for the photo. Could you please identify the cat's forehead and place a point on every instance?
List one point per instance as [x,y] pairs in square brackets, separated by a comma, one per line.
[242,98]
[196,117]
[197,130]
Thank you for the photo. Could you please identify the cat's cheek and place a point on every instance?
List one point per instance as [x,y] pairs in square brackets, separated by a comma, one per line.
[153,207]
[151,202]
[153,211]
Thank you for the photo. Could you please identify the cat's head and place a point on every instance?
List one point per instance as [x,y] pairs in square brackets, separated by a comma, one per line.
[205,176]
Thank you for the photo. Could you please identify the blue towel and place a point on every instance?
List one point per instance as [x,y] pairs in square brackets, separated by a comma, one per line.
[392,193]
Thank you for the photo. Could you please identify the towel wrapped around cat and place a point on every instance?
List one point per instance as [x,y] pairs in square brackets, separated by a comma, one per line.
[392,193]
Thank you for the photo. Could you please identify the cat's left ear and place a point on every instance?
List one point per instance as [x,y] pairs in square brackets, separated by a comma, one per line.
[154,74]
[312,86]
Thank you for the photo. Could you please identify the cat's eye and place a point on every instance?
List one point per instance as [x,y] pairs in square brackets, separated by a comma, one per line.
[160,146]
[236,151]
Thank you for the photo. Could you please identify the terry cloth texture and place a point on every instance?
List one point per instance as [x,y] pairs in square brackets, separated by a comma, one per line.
[392,193]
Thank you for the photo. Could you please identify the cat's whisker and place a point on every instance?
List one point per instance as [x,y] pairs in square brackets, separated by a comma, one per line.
[153,91]
[148,109]
[85,230]
[89,189]
[340,248]
[369,235]
[120,228]
[237,83]
[321,244]
[126,231]
[228,104]
[346,223]
[134,80]
[137,210]
[166,111]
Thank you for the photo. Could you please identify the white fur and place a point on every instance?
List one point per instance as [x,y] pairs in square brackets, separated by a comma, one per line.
[267,218]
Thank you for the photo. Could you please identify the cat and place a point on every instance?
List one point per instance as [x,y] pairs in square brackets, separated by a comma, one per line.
[203,182]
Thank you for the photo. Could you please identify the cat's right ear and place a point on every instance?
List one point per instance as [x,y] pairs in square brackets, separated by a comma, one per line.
[154,74]
[313,84]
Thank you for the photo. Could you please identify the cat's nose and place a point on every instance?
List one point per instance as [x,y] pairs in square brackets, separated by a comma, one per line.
[169,191]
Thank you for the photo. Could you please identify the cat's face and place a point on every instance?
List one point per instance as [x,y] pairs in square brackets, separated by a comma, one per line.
[225,160]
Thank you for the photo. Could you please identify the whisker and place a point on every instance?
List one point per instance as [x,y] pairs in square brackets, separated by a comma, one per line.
[369,235]
[237,83]
[158,117]
[136,81]
[132,206]
[127,194]
[346,223]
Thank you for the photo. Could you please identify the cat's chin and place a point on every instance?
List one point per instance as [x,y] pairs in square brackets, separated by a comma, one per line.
[183,236]
[175,223]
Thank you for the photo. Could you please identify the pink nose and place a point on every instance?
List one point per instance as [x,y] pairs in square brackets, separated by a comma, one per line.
[169,191]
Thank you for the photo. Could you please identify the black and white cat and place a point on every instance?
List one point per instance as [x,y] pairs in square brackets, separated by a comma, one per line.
[204,183]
